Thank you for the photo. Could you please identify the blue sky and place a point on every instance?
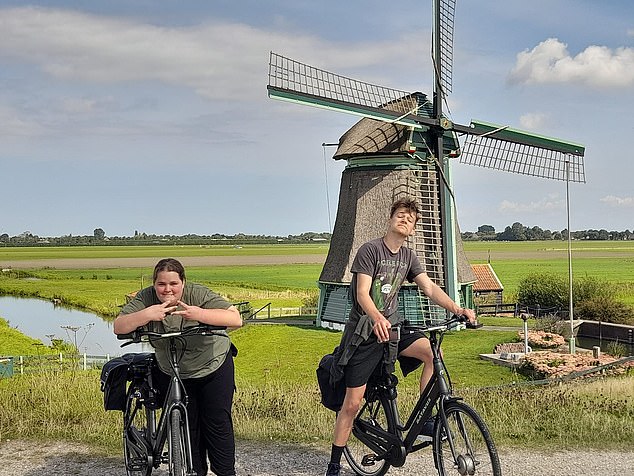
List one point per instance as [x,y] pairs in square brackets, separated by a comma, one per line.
[152,116]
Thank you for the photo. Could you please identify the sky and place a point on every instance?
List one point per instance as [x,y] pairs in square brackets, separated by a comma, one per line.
[153,116]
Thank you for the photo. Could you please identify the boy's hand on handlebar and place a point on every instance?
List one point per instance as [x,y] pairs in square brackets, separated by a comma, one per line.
[469,314]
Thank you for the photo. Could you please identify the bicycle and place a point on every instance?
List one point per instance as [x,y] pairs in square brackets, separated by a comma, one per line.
[144,438]
[462,443]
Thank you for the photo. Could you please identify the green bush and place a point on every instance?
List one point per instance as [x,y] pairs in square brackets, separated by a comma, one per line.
[544,290]
[605,309]
[593,299]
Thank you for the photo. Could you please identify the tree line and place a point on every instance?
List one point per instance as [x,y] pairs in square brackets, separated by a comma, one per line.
[514,232]
[519,232]
[99,238]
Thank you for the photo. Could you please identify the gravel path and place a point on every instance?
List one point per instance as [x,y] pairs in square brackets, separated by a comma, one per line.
[21,458]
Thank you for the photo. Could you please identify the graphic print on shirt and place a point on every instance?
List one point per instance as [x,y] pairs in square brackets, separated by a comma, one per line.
[388,279]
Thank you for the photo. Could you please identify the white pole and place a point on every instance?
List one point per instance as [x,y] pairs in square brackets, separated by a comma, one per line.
[570,306]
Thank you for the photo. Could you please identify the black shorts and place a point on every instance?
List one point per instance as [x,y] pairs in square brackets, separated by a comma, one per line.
[369,355]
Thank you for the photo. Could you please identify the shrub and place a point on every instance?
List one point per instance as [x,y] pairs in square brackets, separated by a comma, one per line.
[592,299]
[544,290]
[312,300]
[605,309]
[616,349]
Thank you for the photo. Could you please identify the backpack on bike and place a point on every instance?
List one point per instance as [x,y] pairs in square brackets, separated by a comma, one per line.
[332,396]
[117,372]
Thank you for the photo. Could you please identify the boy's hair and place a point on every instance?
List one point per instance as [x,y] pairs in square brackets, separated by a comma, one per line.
[408,203]
[169,264]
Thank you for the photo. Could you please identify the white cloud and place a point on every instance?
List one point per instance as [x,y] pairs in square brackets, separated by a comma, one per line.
[618,202]
[549,203]
[217,60]
[596,66]
[533,121]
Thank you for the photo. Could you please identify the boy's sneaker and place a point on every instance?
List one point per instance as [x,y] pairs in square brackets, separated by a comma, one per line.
[334,469]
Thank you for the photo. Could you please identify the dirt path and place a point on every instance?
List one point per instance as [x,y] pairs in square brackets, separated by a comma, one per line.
[21,458]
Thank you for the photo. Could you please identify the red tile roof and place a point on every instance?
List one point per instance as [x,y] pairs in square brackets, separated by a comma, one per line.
[487,280]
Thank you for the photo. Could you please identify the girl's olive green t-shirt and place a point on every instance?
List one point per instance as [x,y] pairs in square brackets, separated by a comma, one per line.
[198,355]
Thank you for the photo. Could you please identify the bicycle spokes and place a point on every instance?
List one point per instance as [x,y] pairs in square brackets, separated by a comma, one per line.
[467,448]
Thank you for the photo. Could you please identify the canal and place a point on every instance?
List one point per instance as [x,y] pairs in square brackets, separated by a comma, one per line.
[41,319]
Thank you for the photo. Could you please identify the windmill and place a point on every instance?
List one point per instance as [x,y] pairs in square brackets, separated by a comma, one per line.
[402,146]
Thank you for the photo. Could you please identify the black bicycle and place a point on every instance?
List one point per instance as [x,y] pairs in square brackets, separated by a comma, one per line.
[144,435]
[462,443]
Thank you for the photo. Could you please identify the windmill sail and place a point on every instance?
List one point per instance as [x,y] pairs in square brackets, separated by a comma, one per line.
[502,148]
[293,81]
[487,145]
[447,10]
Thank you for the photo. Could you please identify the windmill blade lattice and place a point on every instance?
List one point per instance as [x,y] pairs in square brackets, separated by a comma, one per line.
[510,150]
[446,21]
[293,81]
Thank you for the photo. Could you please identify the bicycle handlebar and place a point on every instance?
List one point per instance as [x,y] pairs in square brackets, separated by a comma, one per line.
[135,336]
[447,324]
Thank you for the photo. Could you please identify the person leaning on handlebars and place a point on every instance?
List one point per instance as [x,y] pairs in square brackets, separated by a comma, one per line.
[206,367]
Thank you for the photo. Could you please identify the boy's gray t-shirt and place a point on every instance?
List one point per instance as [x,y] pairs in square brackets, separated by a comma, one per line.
[202,354]
[388,271]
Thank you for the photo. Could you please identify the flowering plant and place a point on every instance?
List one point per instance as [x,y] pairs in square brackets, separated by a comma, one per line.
[543,340]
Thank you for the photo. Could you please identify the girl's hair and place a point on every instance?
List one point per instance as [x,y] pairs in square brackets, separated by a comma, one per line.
[169,264]
[407,203]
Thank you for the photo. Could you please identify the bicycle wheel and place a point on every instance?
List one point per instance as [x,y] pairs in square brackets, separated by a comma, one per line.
[475,452]
[177,449]
[136,451]
[361,458]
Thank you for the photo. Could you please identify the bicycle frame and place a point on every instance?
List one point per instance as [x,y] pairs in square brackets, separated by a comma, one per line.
[391,445]
[157,434]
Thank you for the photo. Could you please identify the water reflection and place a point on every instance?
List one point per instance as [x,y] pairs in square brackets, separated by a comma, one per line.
[43,320]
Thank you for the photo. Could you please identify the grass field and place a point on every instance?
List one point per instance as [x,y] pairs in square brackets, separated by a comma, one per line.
[277,398]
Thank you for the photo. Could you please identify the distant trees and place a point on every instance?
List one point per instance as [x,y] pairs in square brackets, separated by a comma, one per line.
[140,238]
[514,232]
[519,232]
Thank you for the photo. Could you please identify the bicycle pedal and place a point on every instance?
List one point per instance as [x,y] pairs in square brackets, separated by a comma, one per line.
[368,460]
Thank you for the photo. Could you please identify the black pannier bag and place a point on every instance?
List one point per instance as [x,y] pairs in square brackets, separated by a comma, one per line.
[118,371]
[331,396]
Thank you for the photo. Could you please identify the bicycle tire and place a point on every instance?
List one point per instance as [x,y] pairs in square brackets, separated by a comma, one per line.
[476,453]
[177,461]
[359,457]
[136,452]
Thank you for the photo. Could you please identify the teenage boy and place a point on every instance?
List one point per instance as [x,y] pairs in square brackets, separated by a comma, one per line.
[379,269]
